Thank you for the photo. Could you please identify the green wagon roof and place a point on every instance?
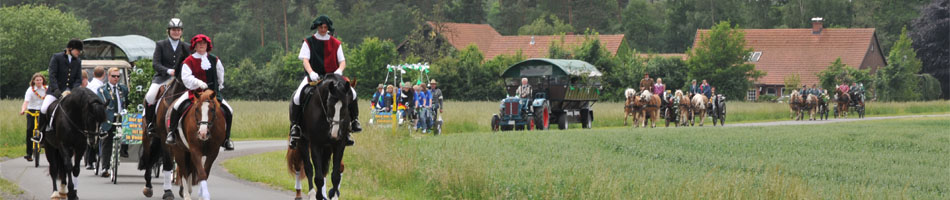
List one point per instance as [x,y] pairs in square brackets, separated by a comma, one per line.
[128,47]
[551,67]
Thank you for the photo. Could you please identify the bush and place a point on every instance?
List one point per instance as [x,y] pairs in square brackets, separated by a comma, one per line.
[140,78]
[929,87]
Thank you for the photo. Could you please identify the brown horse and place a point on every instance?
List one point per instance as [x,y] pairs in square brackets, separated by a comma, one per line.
[795,103]
[684,107]
[811,106]
[201,133]
[154,150]
[843,99]
[699,109]
[650,108]
[631,107]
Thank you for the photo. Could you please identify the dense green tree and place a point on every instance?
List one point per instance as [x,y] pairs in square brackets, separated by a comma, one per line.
[720,57]
[897,80]
[463,76]
[838,73]
[549,25]
[932,44]
[671,69]
[29,35]
[644,26]
[368,62]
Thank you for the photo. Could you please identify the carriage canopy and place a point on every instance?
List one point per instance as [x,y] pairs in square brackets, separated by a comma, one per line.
[537,67]
[129,47]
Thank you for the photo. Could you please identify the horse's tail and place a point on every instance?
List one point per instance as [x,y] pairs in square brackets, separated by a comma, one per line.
[294,161]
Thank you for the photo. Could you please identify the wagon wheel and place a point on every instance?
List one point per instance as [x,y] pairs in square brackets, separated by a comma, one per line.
[544,120]
[530,125]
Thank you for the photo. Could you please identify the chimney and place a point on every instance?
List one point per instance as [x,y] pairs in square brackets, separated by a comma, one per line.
[532,40]
[816,26]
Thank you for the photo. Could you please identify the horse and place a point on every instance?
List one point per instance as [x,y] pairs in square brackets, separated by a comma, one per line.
[843,99]
[324,124]
[699,109]
[795,103]
[154,150]
[201,132]
[76,118]
[630,108]
[651,107]
[684,105]
[811,106]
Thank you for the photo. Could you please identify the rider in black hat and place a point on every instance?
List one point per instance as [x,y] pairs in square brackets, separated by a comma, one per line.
[65,73]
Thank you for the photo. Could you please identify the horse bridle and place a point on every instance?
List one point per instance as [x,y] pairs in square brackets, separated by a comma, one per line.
[324,106]
[74,126]
[211,112]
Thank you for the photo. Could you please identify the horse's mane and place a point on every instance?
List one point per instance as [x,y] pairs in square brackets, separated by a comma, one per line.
[629,92]
[678,93]
[80,97]
[645,94]
[699,101]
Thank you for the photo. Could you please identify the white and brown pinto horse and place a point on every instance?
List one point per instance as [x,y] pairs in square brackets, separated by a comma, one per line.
[811,106]
[699,109]
[631,107]
[651,108]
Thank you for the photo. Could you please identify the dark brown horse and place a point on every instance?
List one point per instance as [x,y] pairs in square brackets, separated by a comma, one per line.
[154,150]
[325,123]
[202,131]
[843,99]
[76,118]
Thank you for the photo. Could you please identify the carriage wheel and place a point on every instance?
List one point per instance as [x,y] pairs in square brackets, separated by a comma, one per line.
[546,118]
[562,121]
[530,125]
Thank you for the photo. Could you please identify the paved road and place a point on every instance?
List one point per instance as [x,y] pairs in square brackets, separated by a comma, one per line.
[36,184]
[830,120]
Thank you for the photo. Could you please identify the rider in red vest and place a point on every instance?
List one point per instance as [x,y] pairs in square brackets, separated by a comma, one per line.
[200,71]
[321,54]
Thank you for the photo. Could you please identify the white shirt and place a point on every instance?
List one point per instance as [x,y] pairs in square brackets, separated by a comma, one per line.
[174,44]
[35,101]
[94,85]
[192,82]
[69,58]
[305,50]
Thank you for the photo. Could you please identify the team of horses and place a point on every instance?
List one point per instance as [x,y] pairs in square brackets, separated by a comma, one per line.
[681,108]
[201,131]
[801,105]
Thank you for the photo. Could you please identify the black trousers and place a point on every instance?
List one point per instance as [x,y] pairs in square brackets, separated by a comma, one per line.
[29,131]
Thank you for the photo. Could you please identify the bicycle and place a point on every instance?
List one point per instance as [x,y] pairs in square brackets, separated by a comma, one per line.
[36,143]
[117,141]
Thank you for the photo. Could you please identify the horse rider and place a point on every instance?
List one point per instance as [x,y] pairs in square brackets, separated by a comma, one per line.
[166,62]
[65,73]
[202,70]
[321,54]
[646,84]
[115,95]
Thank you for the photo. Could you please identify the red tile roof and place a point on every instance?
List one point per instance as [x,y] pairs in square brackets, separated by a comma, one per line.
[493,44]
[798,51]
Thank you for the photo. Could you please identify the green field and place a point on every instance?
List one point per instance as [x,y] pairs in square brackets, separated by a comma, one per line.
[268,119]
[904,158]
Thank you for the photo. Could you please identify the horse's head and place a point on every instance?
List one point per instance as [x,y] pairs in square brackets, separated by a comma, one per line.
[337,102]
[645,96]
[629,93]
[90,113]
[206,107]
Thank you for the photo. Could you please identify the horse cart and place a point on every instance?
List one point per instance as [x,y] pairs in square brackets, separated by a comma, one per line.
[400,112]
[563,91]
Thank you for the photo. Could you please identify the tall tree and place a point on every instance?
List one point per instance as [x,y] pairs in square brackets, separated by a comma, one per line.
[29,35]
[932,43]
[720,57]
[549,25]
[643,25]
[897,80]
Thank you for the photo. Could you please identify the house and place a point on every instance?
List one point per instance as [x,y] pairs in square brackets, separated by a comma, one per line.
[805,52]
[492,44]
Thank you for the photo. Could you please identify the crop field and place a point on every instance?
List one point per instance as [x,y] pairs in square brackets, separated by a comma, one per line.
[879,159]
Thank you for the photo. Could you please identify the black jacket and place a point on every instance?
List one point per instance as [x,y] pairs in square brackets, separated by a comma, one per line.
[63,75]
[164,58]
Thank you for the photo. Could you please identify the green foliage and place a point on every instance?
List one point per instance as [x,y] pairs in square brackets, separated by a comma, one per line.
[29,35]
[929,87]
[546,25]
[721,58]
[140,78]
[838,73]
[557,50]
[616,74]
[930,42]
[643,25]
[463,76]
[672,70]
[368,62]
[793,81]
[897,81]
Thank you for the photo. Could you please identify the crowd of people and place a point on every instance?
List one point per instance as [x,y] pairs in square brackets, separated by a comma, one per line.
[419,101]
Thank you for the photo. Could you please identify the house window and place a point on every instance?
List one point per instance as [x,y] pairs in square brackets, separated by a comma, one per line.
[755,56]
[770,91]
[751,95]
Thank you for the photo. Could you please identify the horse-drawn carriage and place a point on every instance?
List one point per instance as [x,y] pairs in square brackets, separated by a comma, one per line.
[400,112]
[563,91]
[853,101]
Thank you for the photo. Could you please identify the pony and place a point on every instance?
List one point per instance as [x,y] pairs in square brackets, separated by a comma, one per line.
[651,108]
[795,103]
[324,125]
[630,108]
[699,109]
[154,151]
[684,106]
[201,132]
[843,99]
[76,118]
[811,106]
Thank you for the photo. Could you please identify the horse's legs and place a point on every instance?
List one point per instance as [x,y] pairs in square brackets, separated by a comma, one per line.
[307,167]
[317,178]
[337,173]
[204,173]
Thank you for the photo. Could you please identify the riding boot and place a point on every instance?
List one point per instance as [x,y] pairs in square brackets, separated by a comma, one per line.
[355,112]
[150,117]
[44,122]
[228,145]
[176,116]
[294,128]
